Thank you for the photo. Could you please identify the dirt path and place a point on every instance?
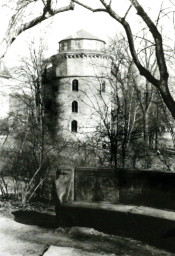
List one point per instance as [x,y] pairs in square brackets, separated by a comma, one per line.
[31,233]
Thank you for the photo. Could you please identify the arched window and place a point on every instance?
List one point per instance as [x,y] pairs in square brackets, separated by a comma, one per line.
[75,85]
[74,126]
[103,86]
[75,106]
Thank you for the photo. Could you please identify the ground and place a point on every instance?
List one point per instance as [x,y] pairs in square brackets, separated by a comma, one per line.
[32,230]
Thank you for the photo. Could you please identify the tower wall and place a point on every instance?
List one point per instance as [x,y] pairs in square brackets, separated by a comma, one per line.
[83,60]
[92,105]
[83,65]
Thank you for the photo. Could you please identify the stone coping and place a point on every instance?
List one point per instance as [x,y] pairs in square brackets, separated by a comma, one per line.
[128,209]
[68,251]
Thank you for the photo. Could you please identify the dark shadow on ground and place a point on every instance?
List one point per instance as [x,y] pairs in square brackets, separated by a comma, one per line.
[155,231]
[43,220]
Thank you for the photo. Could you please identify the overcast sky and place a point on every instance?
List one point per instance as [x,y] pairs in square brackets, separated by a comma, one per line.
[64,24]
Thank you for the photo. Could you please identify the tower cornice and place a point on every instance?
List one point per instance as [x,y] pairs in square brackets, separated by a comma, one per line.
[81,55]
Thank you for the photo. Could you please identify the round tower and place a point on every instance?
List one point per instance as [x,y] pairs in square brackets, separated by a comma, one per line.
[82,75]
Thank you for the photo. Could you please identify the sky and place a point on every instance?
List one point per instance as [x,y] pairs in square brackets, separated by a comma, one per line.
[64,24]
[53,30]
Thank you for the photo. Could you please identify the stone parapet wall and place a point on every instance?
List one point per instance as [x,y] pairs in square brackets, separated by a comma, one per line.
[126,186]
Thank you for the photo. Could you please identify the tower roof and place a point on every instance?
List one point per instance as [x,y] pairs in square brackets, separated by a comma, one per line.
[82,34]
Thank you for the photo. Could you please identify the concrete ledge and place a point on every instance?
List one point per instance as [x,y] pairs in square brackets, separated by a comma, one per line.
[142,210]
[68,251]
[153,226]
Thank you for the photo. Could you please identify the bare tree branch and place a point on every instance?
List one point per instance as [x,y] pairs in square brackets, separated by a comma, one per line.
[162,83]
[158,17]
[127,11]
[125,24]
[110,2]
[46,14]
[157,37]
[90,8]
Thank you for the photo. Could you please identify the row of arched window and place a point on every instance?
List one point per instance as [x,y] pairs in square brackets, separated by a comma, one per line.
[75,106]
[74,123]
[74,126]
[75,84]
[103,87]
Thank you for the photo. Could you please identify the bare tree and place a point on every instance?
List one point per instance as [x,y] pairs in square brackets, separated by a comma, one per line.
[24,16]
[128,131]
[33,150]
[160,83]
[50,8]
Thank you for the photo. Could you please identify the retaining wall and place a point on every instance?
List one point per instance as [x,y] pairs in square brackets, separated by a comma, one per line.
[150,188]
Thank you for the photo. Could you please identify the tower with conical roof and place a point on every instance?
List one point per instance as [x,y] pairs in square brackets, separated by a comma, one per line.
[81,72]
